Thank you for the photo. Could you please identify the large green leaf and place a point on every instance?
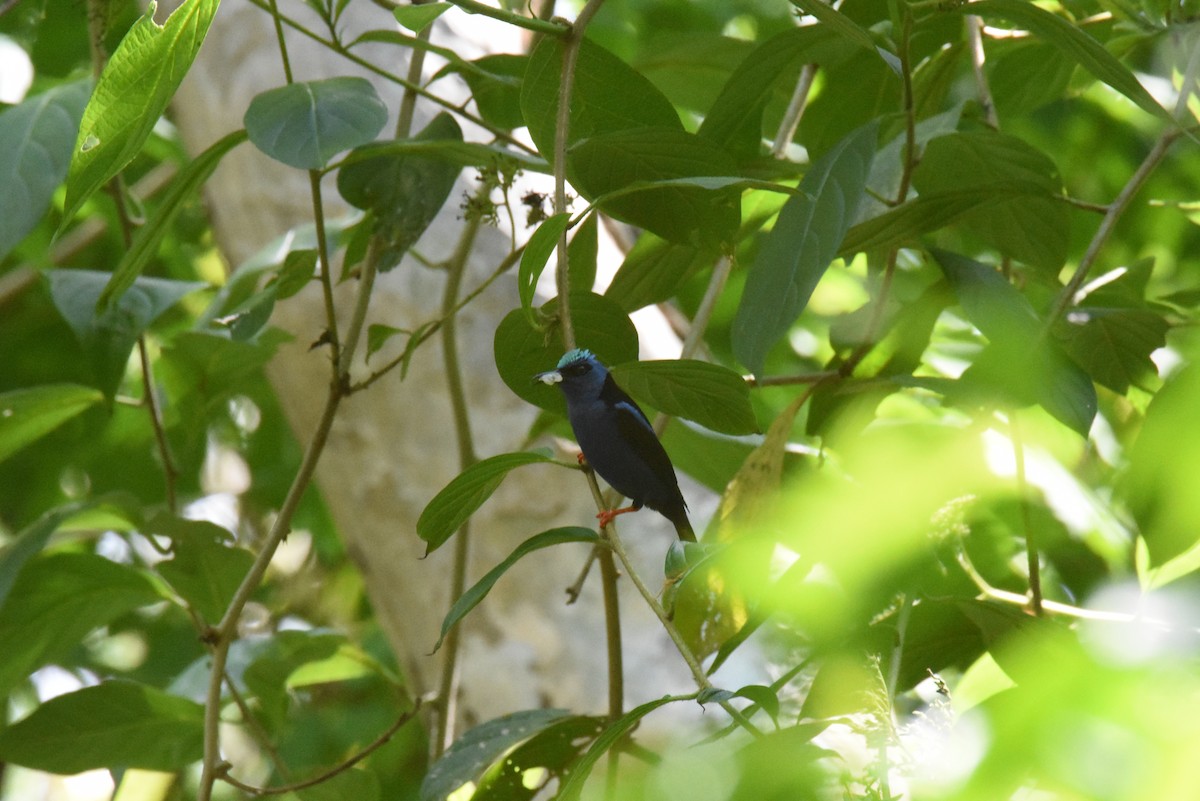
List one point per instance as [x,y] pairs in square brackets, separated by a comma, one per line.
[848,29]
[1163,465]
[797,251]
[495,87]
[609,162]
[206,572]
[708,394]
[30,541]
[608,96]
[1020,365]
[304,125]
[654,270]
[36,138]
[150,236]
[1032,228]
[403,192]
[459,499]
[56,600]
[472,597]
[1069,39]
[735,120]
[138,82]
[522,351]
[108,337]
[1114,345]
[908,222]
[115,725]
[29,414]
[470,755]
[548,756]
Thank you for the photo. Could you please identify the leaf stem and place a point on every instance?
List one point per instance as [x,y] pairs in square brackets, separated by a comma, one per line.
[528,23]
[1031,551]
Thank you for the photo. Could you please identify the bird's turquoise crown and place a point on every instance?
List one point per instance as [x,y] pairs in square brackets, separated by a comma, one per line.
[577,355]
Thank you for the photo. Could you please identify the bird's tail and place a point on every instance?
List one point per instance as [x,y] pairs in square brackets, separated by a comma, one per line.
[683,526]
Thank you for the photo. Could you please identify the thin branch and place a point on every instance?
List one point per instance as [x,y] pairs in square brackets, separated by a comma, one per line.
[448,686]
[795,110]
[789,380]
[170,471]
[341,50]
[974,28]
[1031,551]
[1066,298]
[341,767]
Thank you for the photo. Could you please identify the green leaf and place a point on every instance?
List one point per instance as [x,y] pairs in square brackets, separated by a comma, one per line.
[206,574]
[304,125]
[459,499]
[1072,41]
[798,250]
[608,95]
[417,17]
[907,223]
[150,236]
[1114,345]
[760,694]
[708,394]
[471,754]
[581,254]
[735,120]
[1032,228]
[573,786]
[285,652]
[138,82]
[522,351]
[108,338]
[298,269]
[1019,366]
[451,151]
[654,270]
[847,28]
[472,597]
[55,601]
[545,757]
[30,541]
[403,192]
[1162,469]
[29,414]
[361,784]
[36,140]
[541,244]
[607,163]
[495,87]
[115,725]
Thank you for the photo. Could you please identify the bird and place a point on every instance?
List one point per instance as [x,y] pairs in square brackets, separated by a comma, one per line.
[618,441]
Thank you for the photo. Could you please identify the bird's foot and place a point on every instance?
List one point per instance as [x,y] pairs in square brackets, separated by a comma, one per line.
[606,516]
[579,458]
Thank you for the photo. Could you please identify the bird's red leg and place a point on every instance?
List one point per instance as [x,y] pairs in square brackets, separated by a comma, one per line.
[605,517]
[579,458]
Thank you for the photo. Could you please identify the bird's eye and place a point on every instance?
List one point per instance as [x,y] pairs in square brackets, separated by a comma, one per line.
[579,368]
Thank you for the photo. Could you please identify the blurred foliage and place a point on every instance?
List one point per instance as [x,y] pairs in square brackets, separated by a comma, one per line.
[961,557]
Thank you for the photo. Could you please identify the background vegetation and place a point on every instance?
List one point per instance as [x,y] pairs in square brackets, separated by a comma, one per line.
[934,270]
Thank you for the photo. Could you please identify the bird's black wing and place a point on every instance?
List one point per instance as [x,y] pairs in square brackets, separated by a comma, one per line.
[634,427]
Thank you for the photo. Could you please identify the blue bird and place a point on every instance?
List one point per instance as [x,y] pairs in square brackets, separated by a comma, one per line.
[617,440]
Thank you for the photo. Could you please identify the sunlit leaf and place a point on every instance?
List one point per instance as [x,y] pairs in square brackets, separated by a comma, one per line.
[26,415]
[709,394]
[138,82]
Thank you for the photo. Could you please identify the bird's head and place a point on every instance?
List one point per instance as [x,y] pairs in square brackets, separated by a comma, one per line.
[579,374]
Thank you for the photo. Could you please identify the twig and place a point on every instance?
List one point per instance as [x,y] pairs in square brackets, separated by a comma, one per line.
[1031,551]
[795,110]
[974,28]
[341,767]
[448,686]
[1066,298]
[170,471]
[529,23]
